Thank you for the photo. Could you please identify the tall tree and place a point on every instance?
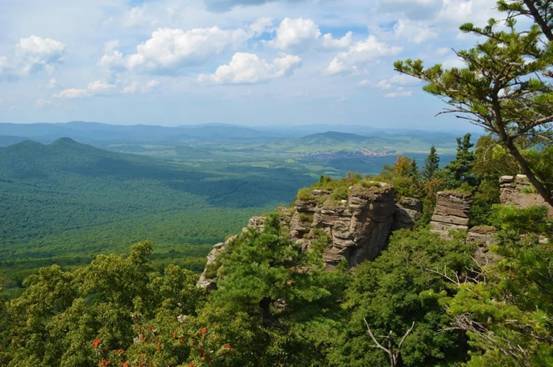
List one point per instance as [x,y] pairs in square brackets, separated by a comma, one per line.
[432,164]
[505,86]
[460,169]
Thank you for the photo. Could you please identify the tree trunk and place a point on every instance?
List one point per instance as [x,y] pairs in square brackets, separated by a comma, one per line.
[540,187]
[546,28]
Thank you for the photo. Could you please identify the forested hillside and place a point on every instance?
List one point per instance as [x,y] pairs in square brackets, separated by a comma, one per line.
[445,264]
[66,201]
[423,300]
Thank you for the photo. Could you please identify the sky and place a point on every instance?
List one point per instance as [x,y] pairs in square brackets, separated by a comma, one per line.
[249,62]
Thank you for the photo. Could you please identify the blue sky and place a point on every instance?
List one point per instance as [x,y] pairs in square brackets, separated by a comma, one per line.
[250,62]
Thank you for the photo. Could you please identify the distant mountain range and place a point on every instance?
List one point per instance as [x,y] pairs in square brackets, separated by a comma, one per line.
[106,134]
[97,133]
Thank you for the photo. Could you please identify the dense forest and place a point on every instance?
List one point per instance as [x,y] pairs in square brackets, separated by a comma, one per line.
[424,301]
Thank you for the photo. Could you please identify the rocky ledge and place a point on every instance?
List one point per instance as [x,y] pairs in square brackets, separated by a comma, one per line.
[451,212]
[355,224]
[357,227]
[517,191]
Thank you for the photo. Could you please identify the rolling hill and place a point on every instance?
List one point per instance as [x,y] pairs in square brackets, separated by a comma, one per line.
[67,199]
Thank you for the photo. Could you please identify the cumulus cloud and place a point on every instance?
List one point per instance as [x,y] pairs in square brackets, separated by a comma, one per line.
[330,42]
[261,25]
[101,87]
[399,85]
[32,54]
[249,68]
[293,32]
[460,11]
[359,55]
[170,49]
[415,32]
[301,32]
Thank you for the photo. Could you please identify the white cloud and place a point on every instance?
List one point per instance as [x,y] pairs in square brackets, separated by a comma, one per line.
[32,54]
[295,32]
[359,55]
[101,87]
[416,32]
[72,93]
[261,25]
[94,88]
[170,49]
[112,58]
[460,11]
[137,17]
[330,42]
[399,85]
[250,68]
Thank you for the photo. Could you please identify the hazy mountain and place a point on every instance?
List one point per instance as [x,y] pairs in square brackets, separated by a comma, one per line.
[105,134]
[97,133]
[332,137]
[6,140]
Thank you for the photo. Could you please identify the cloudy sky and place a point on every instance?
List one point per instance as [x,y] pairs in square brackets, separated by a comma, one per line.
[251,62]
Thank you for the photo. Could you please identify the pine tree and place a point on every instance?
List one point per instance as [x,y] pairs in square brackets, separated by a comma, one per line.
[505,86]
[432,164]
[459,171]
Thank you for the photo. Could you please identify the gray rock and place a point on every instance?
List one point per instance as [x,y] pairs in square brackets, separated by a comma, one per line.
[451,213]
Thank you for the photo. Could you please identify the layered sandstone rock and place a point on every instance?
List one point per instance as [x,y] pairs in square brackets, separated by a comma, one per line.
[356,226]
[451,212]
[409,210]
[517,191]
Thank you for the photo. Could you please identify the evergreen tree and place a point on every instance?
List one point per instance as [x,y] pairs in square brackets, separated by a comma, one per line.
[508,314]
[432,164]
[505,86]
[459,171]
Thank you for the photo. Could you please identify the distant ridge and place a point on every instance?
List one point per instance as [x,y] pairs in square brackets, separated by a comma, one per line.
[6,140]
[334,136]
[100,133]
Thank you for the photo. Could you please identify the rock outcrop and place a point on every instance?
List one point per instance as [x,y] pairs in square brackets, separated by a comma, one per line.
[357,227]
[409,210]
[451,212]
[517,191]
[208,278]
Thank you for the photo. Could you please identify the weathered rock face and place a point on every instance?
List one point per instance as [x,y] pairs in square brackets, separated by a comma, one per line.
[409,210]
[517,191]
[208,278]
[451,212]
[357,227]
